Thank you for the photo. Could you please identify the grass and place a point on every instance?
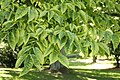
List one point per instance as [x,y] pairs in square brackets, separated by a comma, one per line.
[78,73]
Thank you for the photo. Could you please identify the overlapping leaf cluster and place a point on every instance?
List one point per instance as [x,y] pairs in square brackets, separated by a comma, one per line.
[41,28]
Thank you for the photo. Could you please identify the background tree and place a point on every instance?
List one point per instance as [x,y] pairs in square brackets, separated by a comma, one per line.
[41,29]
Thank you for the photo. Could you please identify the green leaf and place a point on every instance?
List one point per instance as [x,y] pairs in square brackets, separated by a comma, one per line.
[63,8]
[39,54]
[50,15]
[21,11]
[43,35]
[83,15]
[23,50]
[7,25]
[33,1]
[28,63]
[11,40]
[58,18]
[62,42]
[72,26]
[41,46]
[39,31]
[94,48]
[53,57]
[32,13]
[16,35]
[48,50]
[71,6]
[78,4]
[21,37]
[2,36]
[5,3]
[115,41]
[63,60]
[71,38]
[26,39]
[82,5]
[43,13]
[61,34]
[108,35]
[104,47]
[20,60]
[36,62]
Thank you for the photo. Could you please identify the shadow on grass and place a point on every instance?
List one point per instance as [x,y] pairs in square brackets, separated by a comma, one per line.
[80,74]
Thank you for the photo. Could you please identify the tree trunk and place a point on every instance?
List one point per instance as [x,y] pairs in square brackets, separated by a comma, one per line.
[117,61]
[57,66]
[94,59]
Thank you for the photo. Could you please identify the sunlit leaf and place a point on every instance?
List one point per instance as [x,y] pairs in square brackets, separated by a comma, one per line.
[21,11]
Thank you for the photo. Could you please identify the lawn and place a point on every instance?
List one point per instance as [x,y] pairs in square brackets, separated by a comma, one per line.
[79,70]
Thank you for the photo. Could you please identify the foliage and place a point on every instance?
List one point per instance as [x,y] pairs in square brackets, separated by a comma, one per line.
[41,28]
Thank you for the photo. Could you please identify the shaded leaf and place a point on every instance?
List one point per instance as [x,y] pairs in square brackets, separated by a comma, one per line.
[104,47]
[115,41]
[20,60]
[39,54]
[23,50]
[49,50]
[7,25]
[36,62]
[28,63]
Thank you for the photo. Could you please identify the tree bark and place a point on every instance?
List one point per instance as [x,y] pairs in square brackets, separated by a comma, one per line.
[94,59]
[117,61]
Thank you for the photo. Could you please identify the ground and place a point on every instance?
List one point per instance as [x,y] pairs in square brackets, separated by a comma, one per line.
[80,69]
